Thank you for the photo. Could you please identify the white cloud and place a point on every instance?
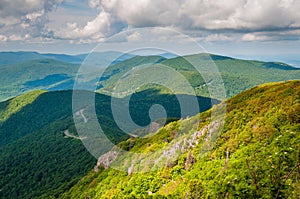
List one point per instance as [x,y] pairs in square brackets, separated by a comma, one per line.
[34,15]
[94,29]
[145,12]
[219,14]
[256,37]
[100,24]
[136,36]
[15,37]
[21,17]
[218,37]
[220,20]
[94,3]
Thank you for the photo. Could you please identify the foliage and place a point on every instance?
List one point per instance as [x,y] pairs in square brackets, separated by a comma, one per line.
[38,160]
[21,72]
[256,156]
[237,75]
[34,74]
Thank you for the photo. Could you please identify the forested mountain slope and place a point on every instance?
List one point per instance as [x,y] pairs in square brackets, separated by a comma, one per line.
[237,75]
[41,154]
[255,156]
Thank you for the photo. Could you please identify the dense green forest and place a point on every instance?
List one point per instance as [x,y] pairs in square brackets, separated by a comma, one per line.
[38,158]
[256,156]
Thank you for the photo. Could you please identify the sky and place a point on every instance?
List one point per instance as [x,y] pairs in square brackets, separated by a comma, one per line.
[252,29]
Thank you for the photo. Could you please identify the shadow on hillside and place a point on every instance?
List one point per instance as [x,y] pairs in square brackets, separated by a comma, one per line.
[54,106]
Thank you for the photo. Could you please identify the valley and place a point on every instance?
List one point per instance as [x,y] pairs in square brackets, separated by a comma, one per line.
[42,155]
[172,99]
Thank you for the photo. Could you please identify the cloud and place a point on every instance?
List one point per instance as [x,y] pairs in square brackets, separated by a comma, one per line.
[144,13]
[19,18]
[218,37]
[203,14]
[96,28]
[210,20]
[136,36]
[292,35]
[219,20]
[256,37]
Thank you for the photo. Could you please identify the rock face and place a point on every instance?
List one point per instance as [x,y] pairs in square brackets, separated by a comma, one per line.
[162,157]
[106,159]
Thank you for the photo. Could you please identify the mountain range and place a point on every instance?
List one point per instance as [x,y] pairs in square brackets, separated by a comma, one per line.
[256,154]
[25,71]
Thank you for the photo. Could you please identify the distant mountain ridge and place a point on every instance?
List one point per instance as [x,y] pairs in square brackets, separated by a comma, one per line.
[237,75]
[25,71]
[7,58]
[30,71]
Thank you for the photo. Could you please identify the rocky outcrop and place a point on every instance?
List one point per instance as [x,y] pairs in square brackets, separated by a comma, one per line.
[164,156]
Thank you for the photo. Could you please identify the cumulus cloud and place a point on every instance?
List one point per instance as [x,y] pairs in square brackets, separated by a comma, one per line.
[95,29]
[244,20]
[219,16]
[19,18]
[242,15]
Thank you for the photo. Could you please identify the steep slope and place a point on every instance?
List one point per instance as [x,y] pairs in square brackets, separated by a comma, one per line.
[41,154]
[35,157]
[257,155]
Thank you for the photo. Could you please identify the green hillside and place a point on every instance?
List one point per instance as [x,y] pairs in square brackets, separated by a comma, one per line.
[41,154]
[35,74]
[21,72]
[257,155]
[26,71]
[115,71]
[237,75]
[35,157]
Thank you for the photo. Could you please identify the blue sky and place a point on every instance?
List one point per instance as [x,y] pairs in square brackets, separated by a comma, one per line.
[262,29]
